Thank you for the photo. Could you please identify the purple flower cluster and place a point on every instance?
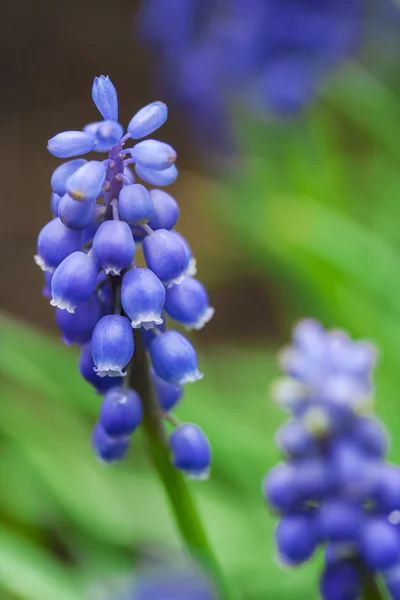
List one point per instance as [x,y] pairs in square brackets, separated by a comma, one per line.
[101,217]
[335,487]
[273,53]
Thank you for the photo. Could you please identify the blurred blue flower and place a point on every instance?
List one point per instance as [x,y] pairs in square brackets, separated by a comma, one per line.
[335,486]
[272,53]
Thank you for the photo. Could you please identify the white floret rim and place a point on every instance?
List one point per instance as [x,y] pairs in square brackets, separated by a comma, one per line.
[63,304]
[147,321]
[202,320]
[42,264]
[109,371]
[194,375]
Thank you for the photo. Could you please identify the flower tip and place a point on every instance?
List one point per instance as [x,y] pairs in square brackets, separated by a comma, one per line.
[63,305]
[42,264]
[191,377]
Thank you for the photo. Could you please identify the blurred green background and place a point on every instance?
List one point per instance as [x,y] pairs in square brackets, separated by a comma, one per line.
[306,223]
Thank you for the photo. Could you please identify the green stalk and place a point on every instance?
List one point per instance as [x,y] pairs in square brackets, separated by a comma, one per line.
[372,590]
[182,505]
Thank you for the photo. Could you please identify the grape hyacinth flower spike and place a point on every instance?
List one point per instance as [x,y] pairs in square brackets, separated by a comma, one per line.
[335,487]
[106,304]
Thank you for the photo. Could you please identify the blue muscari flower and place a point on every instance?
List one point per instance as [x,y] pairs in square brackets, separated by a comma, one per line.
[155,177]
[105,98]
[62,173]
[147,120]
[165,255]
[46,290]
[135,204]
[71,143]
[188,304]
[274,53]
[174,358]
[86,183]
[77,327]
[191,450]
[120,412]
[107,448]
[165,210]
[86,369]
[153,154]
[335,474]
[55,243]
[112,345]
[142,298]
[102,215]
[74,214]
[73,281]
[113,246]
[168,394]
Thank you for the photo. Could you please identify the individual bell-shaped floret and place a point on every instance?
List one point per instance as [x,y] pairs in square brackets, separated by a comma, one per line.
[55,243]
[168,394]
[174,358]
[74,214]
[86,183]
[63,173]
[295,537]
[191,450]
[165,255]
[86,369]
[187,303]
[55,200]
[379,544]
[142,298]
[77,327]
[154,177]
[281,487]
[71,143]
[153,154]
[112,345]
[73,281]
[121,412]
[135,204]
[105,97]
[107,448]
[386,487]
[147,120]
[165,210]
[113,246]
[190,269]
[341,580]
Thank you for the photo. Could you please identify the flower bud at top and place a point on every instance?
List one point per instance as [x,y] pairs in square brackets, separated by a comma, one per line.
[63,173]
[71,143]
[187,303]
[174,358]
[74,214]
[165,210]
[108,134]
[86,183]
[112,345]
[153,154]
[147,120]
[73,281]
[191,450]
[160,178]
[105,97]
[56,242]
[165,255]
[120,412]
[113,246]
[135,204]
[142,297]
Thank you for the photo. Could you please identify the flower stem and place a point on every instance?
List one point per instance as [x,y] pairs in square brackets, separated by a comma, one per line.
[181,502]
[372,589]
